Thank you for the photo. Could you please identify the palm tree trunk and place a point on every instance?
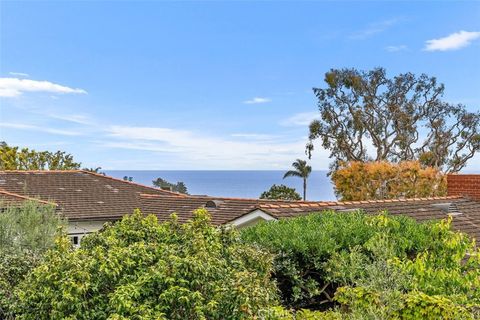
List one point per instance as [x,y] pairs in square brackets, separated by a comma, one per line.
[304,189]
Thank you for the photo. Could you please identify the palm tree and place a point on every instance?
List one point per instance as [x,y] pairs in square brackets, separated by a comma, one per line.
[302,170]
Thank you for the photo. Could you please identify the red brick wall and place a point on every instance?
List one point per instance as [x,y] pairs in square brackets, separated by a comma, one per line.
[464,185]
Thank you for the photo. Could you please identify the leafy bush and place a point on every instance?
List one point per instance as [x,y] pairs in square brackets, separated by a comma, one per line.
[386,180]
[26,232]
[141,269]
[382,266]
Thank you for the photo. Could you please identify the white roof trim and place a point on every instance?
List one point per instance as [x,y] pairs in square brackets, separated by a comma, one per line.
[252,216]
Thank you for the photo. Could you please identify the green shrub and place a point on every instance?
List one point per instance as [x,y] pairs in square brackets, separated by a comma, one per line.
[374,266]
[141,269]
[26,232]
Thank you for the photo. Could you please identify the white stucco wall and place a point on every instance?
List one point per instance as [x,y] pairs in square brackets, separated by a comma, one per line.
[252,218]
[80,229]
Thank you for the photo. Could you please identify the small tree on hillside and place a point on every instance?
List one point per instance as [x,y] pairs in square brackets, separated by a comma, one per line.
[404,118]
[179,187]
[281,192]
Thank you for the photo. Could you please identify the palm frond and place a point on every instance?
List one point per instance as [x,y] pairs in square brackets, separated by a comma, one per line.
[292,173]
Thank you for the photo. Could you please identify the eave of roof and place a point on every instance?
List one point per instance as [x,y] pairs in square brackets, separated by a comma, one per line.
[25,198]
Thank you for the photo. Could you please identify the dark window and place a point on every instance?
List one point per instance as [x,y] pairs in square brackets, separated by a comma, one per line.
[75,240]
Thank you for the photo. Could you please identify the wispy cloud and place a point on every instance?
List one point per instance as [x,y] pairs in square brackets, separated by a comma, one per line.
[375,28]
[398,48]
[14,87]
[204,150]
[300,119]
[23,126]
[19,74]
[453,41]
[254,136]
[75,118]
[257,100]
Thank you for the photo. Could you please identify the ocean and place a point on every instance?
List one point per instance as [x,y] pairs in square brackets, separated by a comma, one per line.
[238,184]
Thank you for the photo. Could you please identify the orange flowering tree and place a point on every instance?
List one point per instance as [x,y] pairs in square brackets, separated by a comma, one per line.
[358,180]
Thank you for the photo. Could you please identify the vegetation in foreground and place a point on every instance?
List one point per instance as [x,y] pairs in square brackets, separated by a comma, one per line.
[321,266]
[142,269]
[26,233]
[372,267]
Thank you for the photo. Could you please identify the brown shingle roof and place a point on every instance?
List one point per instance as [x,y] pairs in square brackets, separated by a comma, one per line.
[8,199]
[79,194]
[82,195]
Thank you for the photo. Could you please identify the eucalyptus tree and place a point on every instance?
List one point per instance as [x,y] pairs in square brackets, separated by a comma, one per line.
[366,116]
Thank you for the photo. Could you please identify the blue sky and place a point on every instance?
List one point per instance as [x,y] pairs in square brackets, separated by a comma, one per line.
[210,85]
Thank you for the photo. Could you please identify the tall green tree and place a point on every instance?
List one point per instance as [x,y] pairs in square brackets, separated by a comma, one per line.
[14,158]
[301,170]
[404,118]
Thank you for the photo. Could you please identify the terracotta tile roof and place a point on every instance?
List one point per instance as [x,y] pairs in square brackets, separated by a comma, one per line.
[79,194]
[8,198]
[82,195]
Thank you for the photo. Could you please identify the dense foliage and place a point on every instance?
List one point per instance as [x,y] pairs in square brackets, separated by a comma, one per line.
[280,192]
[403,118]
[374,267]
[179,187]
[26,232]
[14,158]
[141,269]
[385,180]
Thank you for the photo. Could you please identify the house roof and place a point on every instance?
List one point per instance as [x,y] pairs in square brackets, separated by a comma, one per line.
[8,199]
[465,212]
[79,194]
[82,195]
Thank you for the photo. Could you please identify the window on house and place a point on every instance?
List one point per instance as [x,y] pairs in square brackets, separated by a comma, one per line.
[75,240]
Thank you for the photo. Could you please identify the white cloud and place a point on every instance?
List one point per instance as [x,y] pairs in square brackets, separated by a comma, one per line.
[254,136]
[22,126]
[203,151]
[453,41]
[375,28]
[75,118]
[14,87]
[300,119]
[257,100]
[396,48]
[19,74]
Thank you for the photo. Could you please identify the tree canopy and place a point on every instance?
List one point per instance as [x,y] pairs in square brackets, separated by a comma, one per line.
[385,180]
[179,187]
[14,158]
[404,118]
[372,266]
[142,269]
[281,192]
